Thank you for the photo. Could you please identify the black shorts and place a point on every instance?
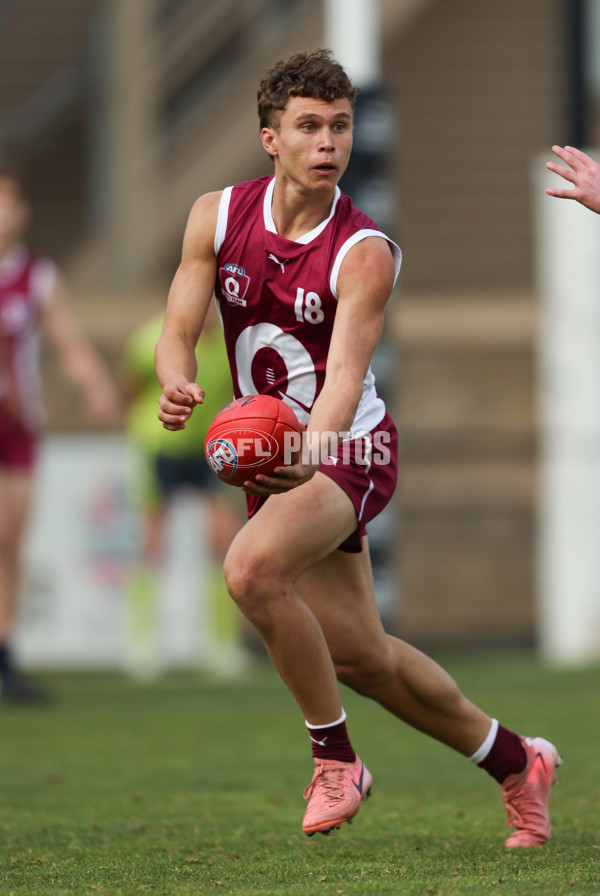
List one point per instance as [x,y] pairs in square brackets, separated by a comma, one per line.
[177,473]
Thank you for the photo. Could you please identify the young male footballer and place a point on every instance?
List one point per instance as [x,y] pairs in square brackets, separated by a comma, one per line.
[301,278]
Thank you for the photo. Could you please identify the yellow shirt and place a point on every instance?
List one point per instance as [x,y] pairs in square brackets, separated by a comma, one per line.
[213,376]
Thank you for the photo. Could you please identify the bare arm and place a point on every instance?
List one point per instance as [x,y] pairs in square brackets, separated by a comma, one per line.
[583,173]
[79,361]
[187,305]
[364,286]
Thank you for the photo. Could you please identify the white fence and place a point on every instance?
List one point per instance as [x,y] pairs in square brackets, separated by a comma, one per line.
[76,604]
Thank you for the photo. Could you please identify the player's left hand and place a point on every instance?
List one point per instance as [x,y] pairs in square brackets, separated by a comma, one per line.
[282,479]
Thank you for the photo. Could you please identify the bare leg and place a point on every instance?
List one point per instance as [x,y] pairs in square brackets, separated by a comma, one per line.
[313,604]
[261,567]
[15,500]
[339,589]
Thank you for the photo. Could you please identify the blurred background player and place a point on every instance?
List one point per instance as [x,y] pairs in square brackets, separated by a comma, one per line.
[33,303]
[583,173]
[171,465]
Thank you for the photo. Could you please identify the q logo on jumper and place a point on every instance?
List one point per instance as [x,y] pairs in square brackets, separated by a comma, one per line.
[234,283]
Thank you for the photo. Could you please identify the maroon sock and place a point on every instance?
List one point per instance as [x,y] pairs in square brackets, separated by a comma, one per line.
[507,756]
[331,742]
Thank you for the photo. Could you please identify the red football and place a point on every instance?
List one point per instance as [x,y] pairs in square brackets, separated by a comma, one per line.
[253,434]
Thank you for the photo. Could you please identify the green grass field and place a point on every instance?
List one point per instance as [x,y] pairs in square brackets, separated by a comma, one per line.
[191,785]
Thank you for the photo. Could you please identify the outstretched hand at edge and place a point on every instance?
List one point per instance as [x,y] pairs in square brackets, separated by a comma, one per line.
[583,173]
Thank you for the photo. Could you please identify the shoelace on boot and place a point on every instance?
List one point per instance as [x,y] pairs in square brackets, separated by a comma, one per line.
[332,781]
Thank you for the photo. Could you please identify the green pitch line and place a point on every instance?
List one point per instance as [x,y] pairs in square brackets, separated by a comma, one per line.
[192,785]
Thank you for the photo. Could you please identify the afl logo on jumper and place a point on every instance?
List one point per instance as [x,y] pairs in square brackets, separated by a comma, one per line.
[234,283]
[222,458]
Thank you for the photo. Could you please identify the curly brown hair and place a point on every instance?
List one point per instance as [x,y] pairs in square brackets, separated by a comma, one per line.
[315,74]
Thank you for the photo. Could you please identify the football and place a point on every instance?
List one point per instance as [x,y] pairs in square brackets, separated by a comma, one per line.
[253,434]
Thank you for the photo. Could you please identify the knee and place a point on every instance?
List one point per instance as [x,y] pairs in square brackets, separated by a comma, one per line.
[382,670]
[239,576]
[252,584]
[364,673]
